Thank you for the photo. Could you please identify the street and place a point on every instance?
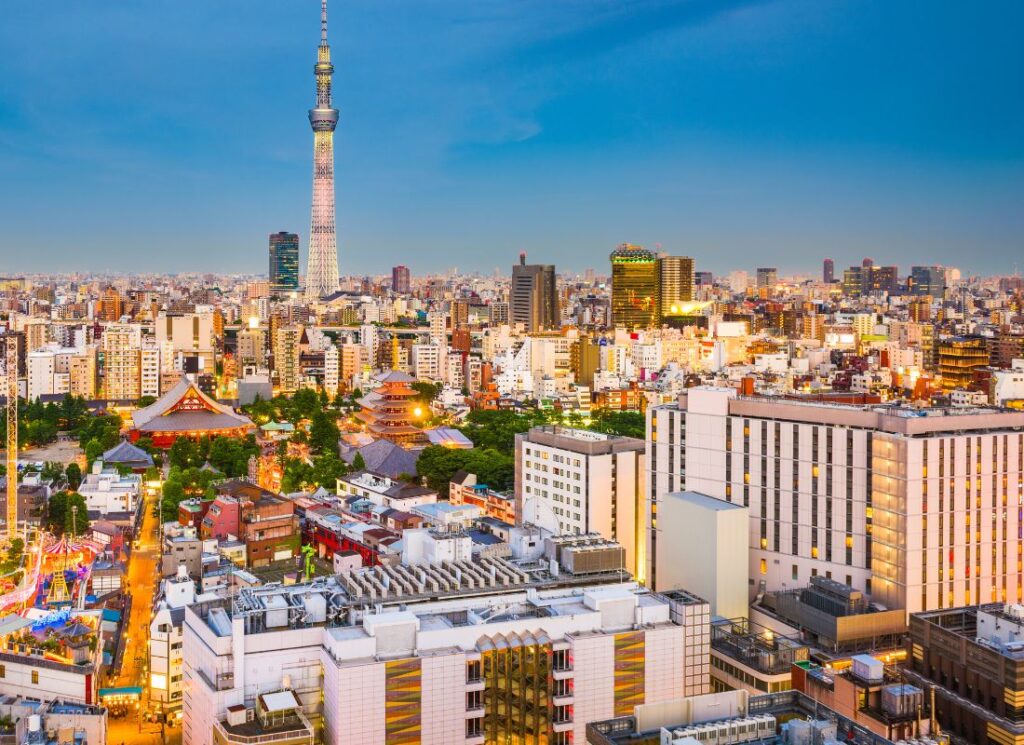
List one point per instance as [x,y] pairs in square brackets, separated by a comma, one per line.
[142,579]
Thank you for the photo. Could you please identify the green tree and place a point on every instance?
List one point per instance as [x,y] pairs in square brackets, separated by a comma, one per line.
[324,433]
[327,469]
[184,453]
[438,464]
[626,423]
[173,493]
[426,392]
[61,518]
[93,450]
[110,438]
[73,474]
[296,475]
[497,430]
[38,433]
[145,443]
[359,463]
[15,552]
[52,471]
[145,401]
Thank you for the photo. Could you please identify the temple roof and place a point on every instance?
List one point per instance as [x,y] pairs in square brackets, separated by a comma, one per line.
[126,453]
[185,407]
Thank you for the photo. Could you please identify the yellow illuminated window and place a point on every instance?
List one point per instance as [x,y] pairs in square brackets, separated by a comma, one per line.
[764,570]
[814,552]
[849,541]
[764,543]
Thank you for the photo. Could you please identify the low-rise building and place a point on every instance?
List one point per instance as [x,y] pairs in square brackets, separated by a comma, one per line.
[464,489]
[384,490]
[106,490]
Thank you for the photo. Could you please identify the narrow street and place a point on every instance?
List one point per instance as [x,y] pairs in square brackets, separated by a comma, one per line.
[143,577]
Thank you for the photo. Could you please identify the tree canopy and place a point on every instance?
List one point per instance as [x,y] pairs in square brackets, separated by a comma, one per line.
[438,464]
[60,518]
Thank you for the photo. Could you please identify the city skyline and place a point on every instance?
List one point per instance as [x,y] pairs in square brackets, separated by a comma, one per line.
[835,130]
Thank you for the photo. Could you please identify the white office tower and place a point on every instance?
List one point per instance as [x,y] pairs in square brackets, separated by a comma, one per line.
[920,508]
[591,482]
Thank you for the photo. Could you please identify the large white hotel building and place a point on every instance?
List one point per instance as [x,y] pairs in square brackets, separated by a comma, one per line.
[455,652]
[920,508]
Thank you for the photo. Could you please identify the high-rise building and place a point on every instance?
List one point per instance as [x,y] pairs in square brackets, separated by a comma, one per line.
[591,482]
[928,280]
[322,268]
[853,492]
[122,343]
[331,368]
[459,312]
[400,279]
[110,306]
[767,277]
[675,283]
[828,271]
[287,350]
[635,287]
[497,313]
[533,300]
[284,262]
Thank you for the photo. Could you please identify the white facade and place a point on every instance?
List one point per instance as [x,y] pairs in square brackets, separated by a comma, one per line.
[426,362]
[913,507]
[331,370]
[149,368]
[703,548]
[344,673]
[106,490]
[594,483]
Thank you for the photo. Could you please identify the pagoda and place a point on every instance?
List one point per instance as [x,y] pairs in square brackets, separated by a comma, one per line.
[389,411]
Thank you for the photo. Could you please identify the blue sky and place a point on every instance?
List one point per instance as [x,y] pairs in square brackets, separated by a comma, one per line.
[150,135]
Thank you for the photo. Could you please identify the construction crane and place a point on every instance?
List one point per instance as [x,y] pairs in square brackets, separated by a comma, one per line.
[11,391]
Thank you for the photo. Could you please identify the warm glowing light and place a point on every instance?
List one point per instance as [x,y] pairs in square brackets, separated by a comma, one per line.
[417,412]
[158,681]
[254,322]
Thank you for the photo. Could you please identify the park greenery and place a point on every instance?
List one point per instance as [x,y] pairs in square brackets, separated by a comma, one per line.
[226,455]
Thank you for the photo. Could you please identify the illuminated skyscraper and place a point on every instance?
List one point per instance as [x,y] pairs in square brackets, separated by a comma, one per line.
[828,271]
[284,262]
[322,269]
[635,287]
[675,283]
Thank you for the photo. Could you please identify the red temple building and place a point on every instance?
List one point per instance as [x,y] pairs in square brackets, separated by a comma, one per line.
[185,411]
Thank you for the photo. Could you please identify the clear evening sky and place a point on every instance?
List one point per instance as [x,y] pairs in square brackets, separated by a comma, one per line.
[172,136]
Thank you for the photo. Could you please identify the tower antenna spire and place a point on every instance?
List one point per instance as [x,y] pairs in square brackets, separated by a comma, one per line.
[322,268]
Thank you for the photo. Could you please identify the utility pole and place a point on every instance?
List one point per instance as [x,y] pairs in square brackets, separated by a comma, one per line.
[11,390]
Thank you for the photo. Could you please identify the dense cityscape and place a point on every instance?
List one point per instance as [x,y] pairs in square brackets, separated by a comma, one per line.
[641,503]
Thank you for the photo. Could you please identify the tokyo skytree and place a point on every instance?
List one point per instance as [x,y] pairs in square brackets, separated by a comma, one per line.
[322,268]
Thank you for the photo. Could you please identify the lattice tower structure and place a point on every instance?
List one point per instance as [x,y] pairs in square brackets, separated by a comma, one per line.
[322,266]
